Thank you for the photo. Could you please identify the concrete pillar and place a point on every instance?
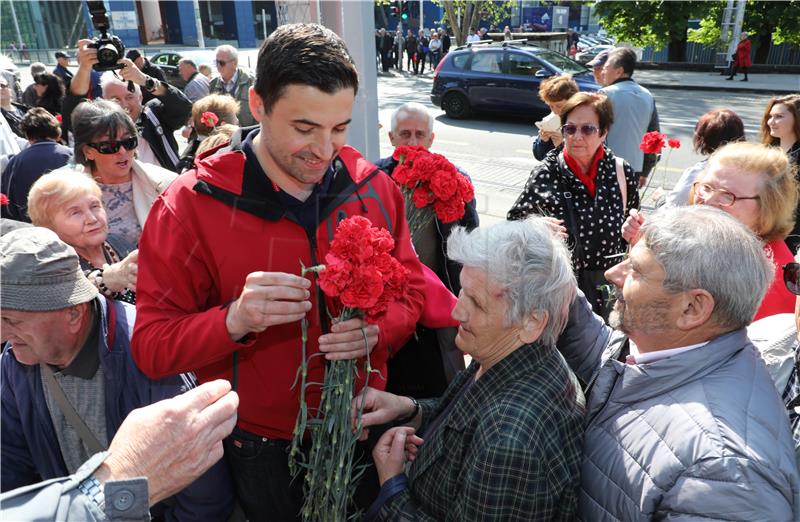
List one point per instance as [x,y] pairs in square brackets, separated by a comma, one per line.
[363,130]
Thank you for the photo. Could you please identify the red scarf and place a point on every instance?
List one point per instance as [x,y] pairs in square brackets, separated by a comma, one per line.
[588,177]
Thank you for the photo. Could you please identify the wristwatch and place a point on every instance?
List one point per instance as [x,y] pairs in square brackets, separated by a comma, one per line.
[92,488]
[151,84]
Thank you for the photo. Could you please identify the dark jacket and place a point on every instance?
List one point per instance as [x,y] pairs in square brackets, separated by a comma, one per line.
[14,117]
[510,448]
[445,43]
[24,169]
[154,71]
[411,45]
[159,119]
[65,75]
[542,147]
[31,451]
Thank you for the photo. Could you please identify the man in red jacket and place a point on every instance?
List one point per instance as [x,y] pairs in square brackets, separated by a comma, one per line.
[218,291]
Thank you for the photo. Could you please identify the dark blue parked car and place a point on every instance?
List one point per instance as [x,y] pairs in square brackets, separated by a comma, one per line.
[502,77]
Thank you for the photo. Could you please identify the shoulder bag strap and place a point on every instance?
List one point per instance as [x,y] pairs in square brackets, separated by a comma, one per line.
[623,185]
[569,209]
[69,412]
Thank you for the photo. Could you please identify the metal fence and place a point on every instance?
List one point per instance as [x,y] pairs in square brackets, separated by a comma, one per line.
[783,54]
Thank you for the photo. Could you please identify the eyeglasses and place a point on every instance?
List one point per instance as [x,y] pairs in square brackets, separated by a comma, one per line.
[587,129]
[724,198]
[112,147]
[222,63]
[791,277]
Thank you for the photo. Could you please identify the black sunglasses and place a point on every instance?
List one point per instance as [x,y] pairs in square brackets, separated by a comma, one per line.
[791,277]
[222,63]
[587,129]
[111,147]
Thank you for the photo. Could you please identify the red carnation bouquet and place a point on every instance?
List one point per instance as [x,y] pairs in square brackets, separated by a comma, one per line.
[362,278]
[430,184]
[653,143]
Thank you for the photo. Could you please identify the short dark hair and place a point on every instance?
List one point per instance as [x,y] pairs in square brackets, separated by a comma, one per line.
[187,61]
[716,128]
[37,124]
[597,101]
[624,57]
[55,86]
[303,54]
[92,119]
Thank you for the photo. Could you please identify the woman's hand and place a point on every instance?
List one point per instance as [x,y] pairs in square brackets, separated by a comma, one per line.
[557,226]
[554,137]
[379,407]
[631,229]
[395,447]
[119,276]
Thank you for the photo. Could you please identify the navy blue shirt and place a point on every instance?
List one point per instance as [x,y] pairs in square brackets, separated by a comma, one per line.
[24,169]
[257,184]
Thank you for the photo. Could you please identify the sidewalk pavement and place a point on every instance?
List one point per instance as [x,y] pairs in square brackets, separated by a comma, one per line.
[714,81]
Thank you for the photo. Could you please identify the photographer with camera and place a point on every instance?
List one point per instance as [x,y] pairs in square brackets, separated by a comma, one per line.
[156,120]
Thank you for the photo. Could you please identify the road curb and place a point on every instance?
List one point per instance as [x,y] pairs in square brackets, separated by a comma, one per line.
[750,90]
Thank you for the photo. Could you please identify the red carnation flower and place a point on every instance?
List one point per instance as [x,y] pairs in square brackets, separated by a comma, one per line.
[4,199]
[674,143]
[652,142]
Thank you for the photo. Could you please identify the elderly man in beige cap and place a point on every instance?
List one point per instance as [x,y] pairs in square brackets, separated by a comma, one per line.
[68,381]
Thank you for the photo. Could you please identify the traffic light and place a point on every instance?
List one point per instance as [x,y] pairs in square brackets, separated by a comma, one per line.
[404,8]
[396,8]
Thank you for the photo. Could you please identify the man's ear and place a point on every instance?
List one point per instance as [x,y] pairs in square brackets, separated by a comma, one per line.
[256,104]
[697,306]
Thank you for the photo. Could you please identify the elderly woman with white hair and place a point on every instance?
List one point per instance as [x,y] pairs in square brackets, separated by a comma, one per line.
[70,204]
[504,441]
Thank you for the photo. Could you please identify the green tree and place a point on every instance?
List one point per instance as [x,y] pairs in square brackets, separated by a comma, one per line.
[653,23]
[471,13]
[765,22]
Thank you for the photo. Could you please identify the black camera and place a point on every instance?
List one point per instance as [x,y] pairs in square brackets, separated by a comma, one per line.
[109,47]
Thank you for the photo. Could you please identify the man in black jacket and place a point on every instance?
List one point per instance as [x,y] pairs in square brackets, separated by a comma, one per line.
[411,49]
[144,65]
[156,120]
[429,361]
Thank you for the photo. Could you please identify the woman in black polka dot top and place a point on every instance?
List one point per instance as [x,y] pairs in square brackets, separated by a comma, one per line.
[586,187]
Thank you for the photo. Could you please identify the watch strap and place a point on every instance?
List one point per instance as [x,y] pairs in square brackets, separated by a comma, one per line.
[92,488]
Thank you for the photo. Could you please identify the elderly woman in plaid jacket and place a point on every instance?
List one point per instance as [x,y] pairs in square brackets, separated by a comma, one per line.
[504,441]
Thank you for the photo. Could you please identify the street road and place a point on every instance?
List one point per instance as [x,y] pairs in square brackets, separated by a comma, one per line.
[496,151]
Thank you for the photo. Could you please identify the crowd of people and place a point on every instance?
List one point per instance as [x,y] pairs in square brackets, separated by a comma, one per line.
[151,303]
[427,46]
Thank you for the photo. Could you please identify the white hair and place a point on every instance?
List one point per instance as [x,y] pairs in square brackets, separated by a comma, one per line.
[412,108]
[702,247]
[529,261]
[229,50]
[109,78]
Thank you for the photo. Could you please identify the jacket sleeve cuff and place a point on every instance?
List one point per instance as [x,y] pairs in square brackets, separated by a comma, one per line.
[390,489]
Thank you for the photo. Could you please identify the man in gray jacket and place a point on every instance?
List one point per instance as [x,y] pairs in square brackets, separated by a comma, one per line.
[233,81]
[634,111]
[683,420]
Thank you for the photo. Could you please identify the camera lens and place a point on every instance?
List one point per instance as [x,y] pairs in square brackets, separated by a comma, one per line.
[107,54]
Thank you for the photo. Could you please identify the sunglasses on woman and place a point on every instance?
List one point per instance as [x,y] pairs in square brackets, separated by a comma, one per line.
[587,129]
[112,147]
[791,277]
